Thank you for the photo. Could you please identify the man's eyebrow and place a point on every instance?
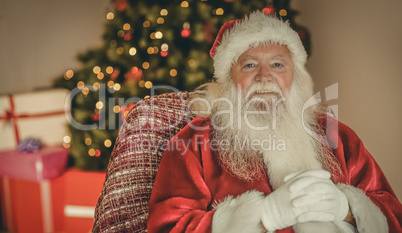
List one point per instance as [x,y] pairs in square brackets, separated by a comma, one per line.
[281,57]
[245,58]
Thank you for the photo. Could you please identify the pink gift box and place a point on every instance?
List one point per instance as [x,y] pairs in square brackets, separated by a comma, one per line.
[48,163]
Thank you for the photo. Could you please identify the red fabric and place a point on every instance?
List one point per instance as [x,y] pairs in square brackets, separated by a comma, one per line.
[362,171]
[190,180]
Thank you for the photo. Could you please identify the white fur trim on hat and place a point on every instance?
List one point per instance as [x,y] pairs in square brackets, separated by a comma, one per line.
[254,30]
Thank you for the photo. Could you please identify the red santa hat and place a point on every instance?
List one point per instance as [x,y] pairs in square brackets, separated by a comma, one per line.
[237,36]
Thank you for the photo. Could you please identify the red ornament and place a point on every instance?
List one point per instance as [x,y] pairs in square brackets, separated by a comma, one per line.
[120,5]
[127,37]
[269,10]
[95,117]
[115,74]
[185,33]
[133,74]
[97,153]
[164,53]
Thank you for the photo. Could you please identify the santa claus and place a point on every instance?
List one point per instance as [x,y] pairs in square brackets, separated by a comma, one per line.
[256,160]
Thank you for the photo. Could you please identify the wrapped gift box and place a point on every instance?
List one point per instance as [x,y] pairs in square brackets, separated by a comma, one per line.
[35,114]
[64,204]
[48,163]
[82,190]
[29,206]
[31,193]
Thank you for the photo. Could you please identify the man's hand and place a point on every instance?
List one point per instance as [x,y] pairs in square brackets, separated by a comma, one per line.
[294,199]
[320,201]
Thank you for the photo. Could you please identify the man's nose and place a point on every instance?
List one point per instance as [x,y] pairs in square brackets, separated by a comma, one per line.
[264,74]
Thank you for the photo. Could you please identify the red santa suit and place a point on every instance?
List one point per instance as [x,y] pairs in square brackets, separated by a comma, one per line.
[191,187]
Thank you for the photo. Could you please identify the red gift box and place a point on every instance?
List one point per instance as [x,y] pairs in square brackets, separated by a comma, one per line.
[82,191]
[65,204]
[29,206]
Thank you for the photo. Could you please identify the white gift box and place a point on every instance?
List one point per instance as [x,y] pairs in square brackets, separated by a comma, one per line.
[39,114]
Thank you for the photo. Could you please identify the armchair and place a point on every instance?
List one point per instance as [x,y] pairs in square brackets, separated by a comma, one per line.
[123,202]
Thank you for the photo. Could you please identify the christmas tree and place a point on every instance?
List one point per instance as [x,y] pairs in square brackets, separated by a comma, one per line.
[146,44]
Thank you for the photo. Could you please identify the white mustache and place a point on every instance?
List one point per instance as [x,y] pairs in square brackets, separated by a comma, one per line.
[266,87]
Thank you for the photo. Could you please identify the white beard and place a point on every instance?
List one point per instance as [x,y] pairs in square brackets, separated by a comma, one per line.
[285,146]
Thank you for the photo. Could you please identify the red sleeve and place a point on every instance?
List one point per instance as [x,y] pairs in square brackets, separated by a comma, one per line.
[363,172]
[180,200]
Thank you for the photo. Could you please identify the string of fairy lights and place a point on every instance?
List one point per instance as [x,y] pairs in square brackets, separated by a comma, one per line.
[135,73]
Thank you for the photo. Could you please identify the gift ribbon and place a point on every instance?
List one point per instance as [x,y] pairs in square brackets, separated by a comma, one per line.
[75,211]
[7,201]
[46,204]
[11,116]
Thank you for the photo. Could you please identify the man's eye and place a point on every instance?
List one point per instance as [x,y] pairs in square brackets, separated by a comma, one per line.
[277,64]
[250,65]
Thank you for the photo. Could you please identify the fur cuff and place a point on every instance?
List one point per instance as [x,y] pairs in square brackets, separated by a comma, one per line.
[240,214]
[327,227]
[369,218]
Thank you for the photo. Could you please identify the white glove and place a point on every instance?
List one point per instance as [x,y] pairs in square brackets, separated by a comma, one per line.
[319,201]
[279,210]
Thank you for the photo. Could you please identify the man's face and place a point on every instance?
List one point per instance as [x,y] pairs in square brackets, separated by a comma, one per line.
[265,63]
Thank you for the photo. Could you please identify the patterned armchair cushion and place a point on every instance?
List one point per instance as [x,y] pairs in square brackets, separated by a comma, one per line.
[123,202]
